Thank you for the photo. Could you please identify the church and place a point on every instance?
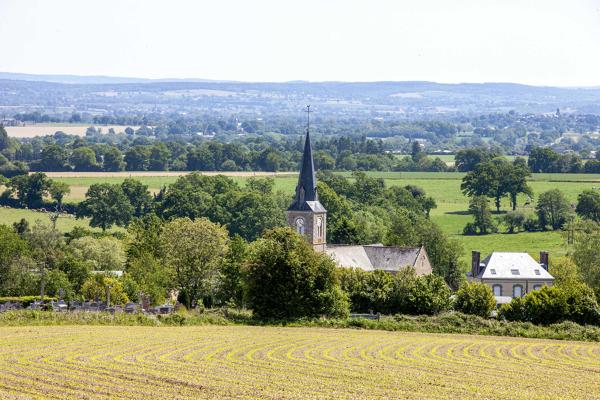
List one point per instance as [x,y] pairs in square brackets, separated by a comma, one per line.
[309,218]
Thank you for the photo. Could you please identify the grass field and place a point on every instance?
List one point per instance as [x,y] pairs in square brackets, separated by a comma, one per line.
[107,362]
[450,213]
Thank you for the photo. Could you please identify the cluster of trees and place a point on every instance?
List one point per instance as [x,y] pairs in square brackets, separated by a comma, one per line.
[498,179]
[552,211]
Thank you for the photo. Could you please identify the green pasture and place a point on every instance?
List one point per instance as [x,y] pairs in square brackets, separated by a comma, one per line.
[450,213]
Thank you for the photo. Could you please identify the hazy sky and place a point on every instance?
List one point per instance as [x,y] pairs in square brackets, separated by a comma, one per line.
[536,42]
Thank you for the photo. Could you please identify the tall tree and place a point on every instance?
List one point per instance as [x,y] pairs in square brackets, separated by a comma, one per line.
[107,205]
[552,209]
[588,205]
[288,279]
[194,251]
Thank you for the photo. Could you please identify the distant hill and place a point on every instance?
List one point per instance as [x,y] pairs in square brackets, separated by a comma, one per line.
[104,94]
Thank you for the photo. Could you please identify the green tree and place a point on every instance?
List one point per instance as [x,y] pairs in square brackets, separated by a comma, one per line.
[106,205]
[475,298]
[83,159]
[416,152]
[30,189]
[103,254]
[513,220]
[12,248]
[137,158]
[4,140]
[430,295]
[368,291]
[585,255]
[288,279]
[553,209]
[484,180]
[231,274]
[159,157]
[482,216]
[513,180]
[95,288]
[53,158]
[467,159]
[194,252]
[588,205]
[57,191]
[113,160]
[138,195]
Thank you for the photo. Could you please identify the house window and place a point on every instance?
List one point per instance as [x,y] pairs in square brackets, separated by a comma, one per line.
[493,271]
[319,227]
[497,290]
[537,272]
[515,272]
[517,291]
[537,287]
[299,225]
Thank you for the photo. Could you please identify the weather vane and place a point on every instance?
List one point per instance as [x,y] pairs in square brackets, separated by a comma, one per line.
[307,118]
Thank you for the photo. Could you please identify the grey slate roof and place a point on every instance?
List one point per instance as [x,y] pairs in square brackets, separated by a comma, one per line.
[307,198]
[374,257]
[518,266]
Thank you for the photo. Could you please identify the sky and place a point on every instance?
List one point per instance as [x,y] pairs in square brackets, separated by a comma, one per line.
[554,43]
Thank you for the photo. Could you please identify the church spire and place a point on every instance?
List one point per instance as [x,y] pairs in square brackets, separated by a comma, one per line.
[307,215]
[306,190]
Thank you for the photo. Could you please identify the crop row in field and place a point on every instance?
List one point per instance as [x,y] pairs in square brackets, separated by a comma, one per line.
[288,363]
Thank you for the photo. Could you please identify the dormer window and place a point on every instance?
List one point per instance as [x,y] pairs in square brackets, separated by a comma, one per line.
[515,272]
[493,271]
[537,272]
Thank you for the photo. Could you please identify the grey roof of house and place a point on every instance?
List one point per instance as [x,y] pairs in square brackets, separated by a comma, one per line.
[374,257]
[518,266]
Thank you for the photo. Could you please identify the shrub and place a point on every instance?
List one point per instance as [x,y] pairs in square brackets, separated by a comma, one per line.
[368,291]
[550,305]
[429,295]
[287,279]
[95,287]
[475,298]
[531,224]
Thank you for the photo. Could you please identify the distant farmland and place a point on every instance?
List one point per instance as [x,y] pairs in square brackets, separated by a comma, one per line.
[46,129]
[451,212]
[225,362]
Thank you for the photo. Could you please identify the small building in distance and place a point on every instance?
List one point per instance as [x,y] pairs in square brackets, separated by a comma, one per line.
[510,275]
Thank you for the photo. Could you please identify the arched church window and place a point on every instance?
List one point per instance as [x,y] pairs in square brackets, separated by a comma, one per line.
[319,227]
[302,195]
[299,225]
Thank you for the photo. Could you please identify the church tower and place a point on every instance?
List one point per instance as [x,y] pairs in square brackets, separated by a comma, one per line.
[307,215]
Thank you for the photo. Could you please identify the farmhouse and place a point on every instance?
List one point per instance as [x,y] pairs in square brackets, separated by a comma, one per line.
[309,218]
[510,274]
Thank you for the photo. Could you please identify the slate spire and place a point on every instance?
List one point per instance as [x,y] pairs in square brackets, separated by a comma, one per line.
[306,190]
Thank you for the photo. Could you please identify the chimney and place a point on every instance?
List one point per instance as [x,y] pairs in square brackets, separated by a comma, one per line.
[475,262]
[544,259]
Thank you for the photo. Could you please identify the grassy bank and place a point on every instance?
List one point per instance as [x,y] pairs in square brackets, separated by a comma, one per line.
[447,323]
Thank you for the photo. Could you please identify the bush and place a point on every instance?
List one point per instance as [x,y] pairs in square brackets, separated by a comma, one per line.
[554,304]
[95,287]
[475,298]
[368,291]
[531,224]
[287,279]
[429,295]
